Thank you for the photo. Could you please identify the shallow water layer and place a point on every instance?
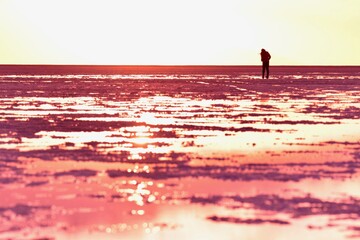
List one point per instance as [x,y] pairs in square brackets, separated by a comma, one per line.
[185,153]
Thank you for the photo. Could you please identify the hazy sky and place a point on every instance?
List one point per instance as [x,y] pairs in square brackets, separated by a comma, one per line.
[231,32]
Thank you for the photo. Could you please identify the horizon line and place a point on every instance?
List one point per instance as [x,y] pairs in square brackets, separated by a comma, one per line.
[173,65]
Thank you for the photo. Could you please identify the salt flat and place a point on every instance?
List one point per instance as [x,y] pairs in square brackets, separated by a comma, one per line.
[156,152]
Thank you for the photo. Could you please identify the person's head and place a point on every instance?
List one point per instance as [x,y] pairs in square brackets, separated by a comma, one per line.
[262,50]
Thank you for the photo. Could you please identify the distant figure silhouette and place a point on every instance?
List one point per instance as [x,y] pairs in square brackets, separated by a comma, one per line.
[265,58]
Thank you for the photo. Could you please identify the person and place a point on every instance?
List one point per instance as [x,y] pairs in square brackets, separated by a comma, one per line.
[265,58]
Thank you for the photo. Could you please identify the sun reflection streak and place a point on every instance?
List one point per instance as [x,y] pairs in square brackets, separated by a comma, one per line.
[139,195]
[152,119]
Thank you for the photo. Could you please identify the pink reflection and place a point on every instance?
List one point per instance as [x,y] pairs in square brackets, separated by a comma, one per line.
[179,156]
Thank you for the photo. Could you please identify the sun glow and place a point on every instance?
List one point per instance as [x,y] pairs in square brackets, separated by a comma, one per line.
[177,32]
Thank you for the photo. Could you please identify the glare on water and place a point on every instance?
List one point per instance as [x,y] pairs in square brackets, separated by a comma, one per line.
[189,156]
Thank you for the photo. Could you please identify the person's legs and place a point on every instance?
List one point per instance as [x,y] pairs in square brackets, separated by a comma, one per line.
[266,67]
[263,70]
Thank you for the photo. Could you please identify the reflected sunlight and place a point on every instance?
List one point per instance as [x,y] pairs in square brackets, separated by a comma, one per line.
[205,156]
[152,119]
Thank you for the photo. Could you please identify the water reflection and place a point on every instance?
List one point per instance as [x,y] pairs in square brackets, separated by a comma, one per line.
[187,156]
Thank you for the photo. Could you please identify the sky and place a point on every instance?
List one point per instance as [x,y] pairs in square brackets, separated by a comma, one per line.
[179,32]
